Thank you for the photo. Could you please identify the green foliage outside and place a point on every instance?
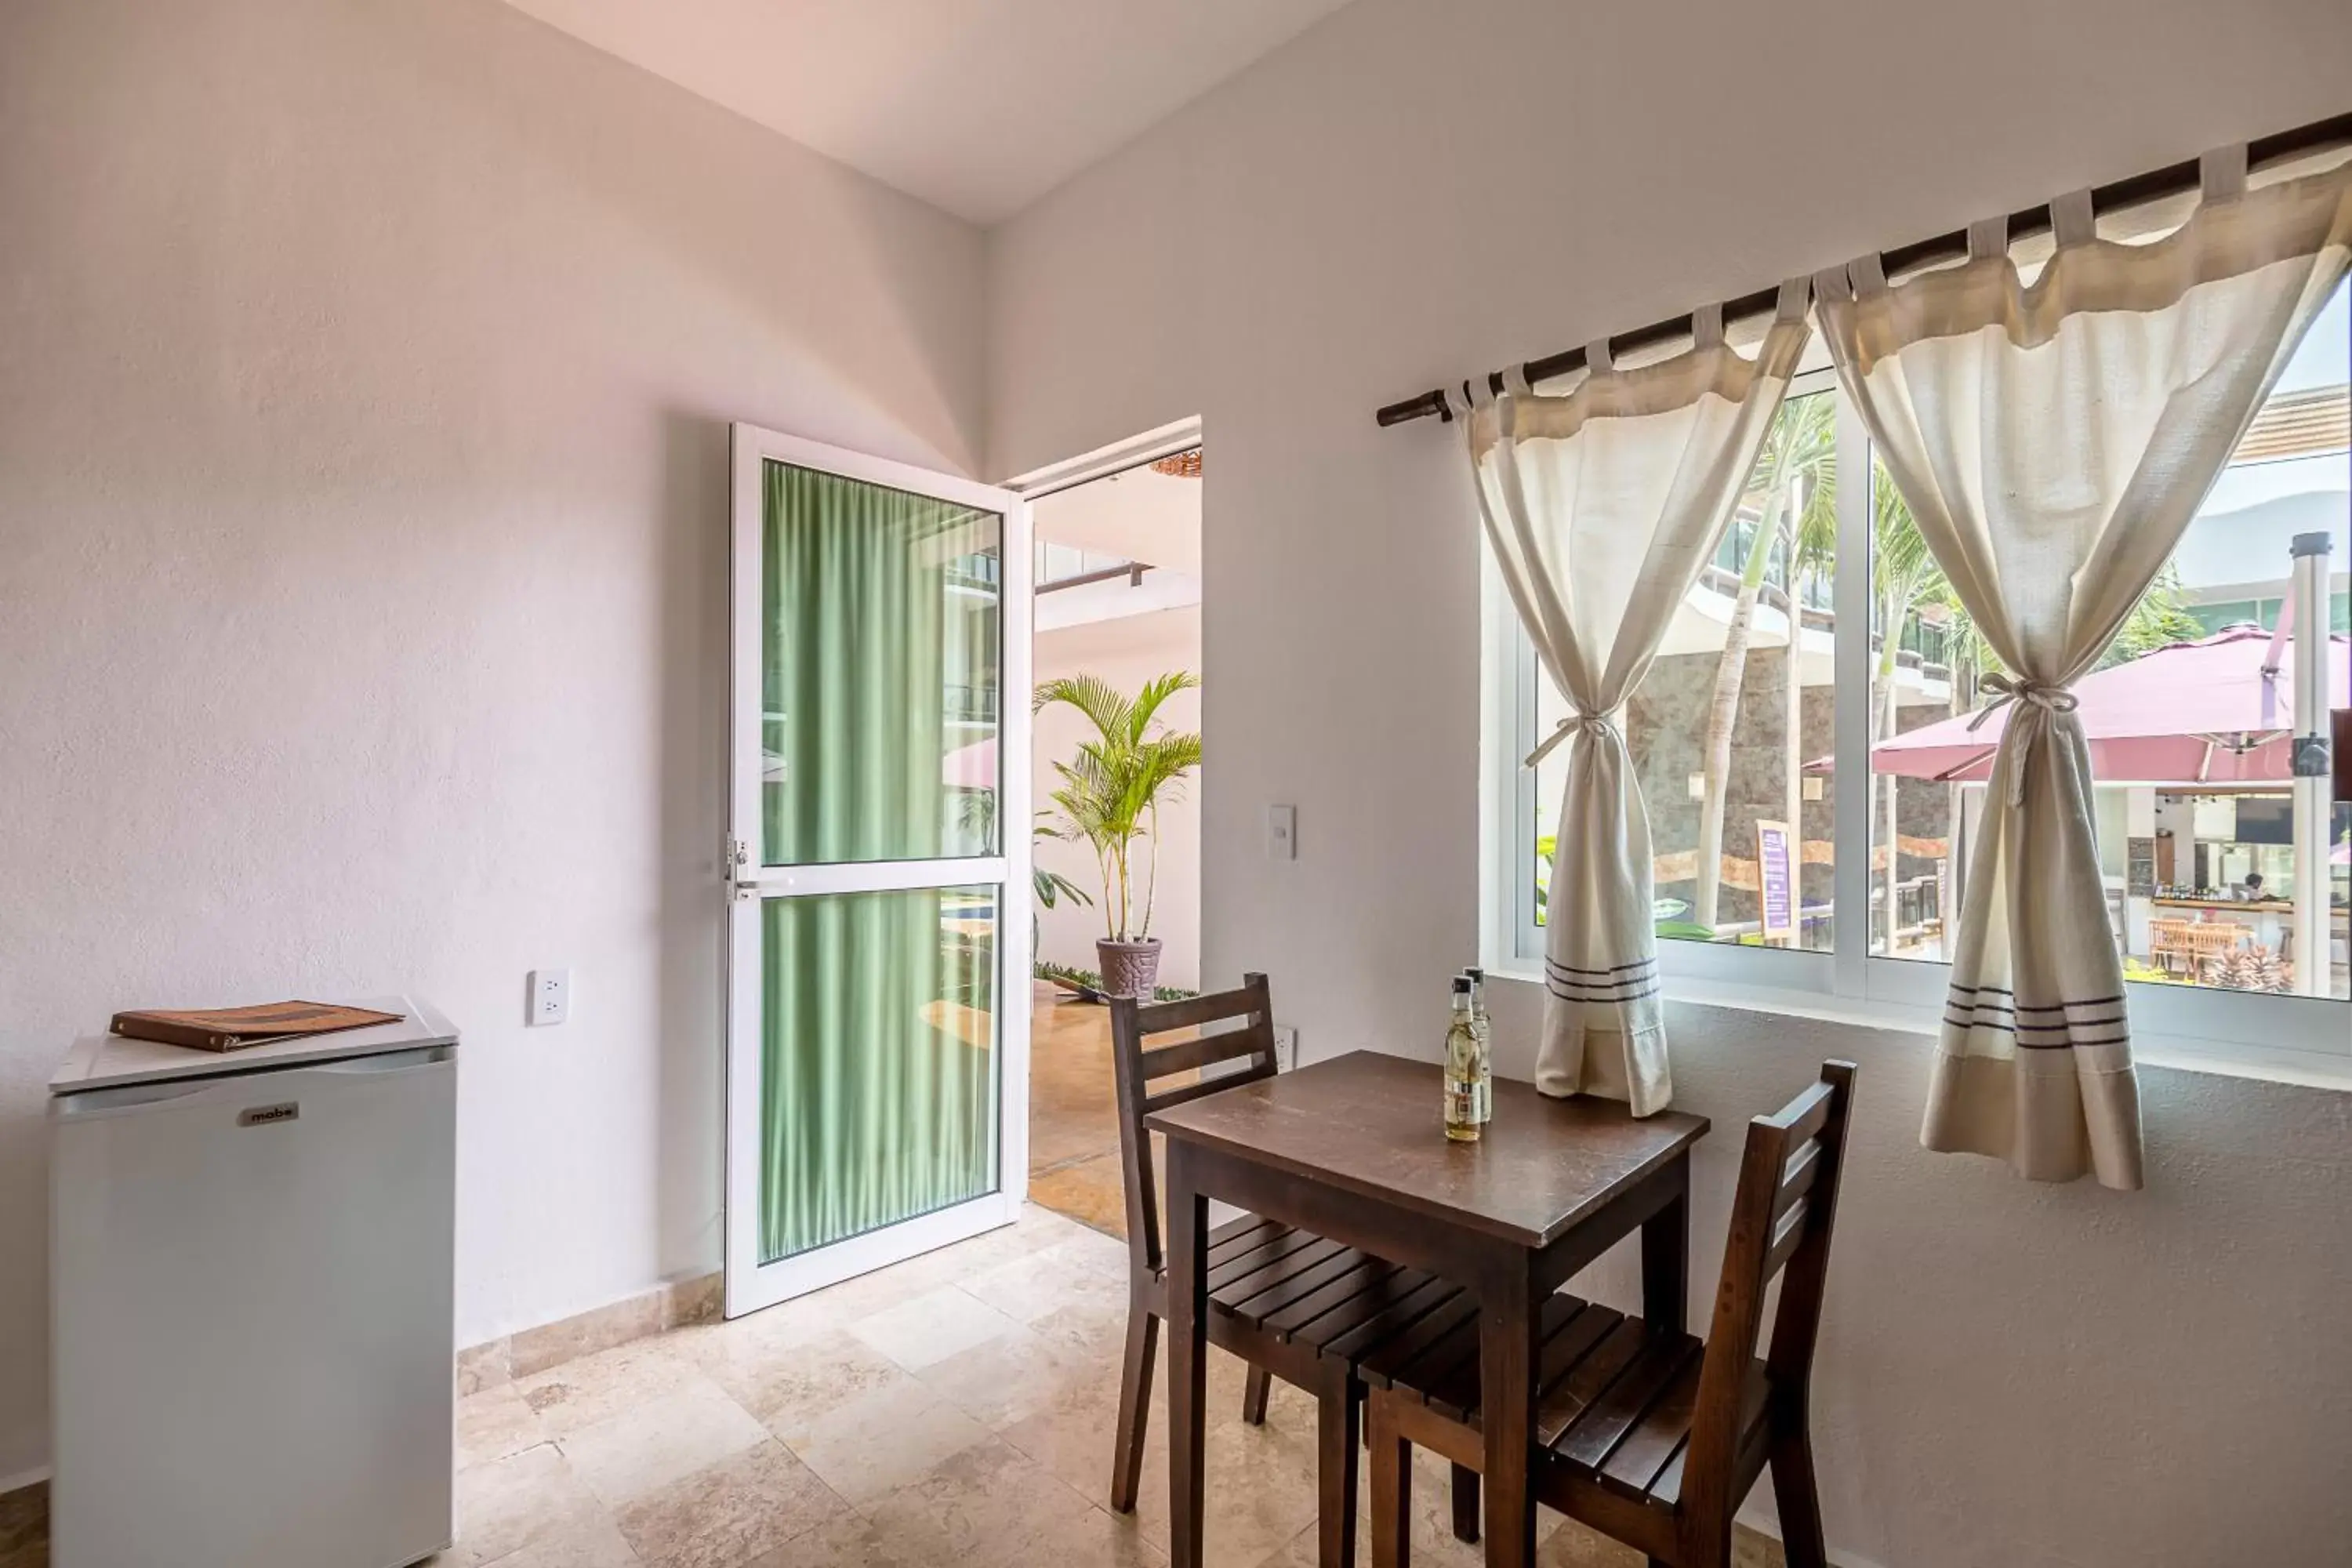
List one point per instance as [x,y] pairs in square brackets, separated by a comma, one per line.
[1111,790]
[1090,984]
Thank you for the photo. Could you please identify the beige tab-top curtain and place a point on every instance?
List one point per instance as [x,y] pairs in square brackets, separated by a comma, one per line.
[2053,440]
[1603,506]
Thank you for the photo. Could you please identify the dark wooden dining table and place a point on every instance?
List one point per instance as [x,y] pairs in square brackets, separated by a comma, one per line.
[1355,1147]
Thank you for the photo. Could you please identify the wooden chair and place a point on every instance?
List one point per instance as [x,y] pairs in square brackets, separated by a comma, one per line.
[1651,1436]
[2169,945]
[1292,1304]
[2211,941]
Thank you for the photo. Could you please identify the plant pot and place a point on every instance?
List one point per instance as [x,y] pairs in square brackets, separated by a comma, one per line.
[1129,968]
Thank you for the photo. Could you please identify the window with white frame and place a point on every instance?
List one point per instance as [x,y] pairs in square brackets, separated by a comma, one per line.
[1805,755]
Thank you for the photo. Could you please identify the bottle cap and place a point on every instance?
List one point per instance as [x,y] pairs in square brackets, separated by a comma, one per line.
[1475,975]
[1462,985]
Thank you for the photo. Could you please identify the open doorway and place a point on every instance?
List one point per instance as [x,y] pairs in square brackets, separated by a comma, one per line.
[1117,629]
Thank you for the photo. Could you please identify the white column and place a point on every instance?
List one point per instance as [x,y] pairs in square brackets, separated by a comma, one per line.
[1850,683]
[2139,822]
[2313,806]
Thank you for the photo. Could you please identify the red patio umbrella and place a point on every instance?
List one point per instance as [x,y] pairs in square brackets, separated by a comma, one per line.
[970,767]
[2197,712]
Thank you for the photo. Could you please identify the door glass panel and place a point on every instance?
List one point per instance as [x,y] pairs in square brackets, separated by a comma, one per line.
[878,1074]
[880,616]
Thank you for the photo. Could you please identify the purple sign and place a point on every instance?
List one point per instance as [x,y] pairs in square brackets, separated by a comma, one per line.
[1776,880]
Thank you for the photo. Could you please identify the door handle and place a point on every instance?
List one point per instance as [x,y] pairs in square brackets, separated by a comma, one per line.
[743,881]
[89,1105]
[740,885]
[383,1063]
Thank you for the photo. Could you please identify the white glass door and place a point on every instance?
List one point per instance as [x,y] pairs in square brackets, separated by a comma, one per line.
[878,1019]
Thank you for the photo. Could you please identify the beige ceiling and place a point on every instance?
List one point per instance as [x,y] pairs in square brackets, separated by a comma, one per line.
[976,106]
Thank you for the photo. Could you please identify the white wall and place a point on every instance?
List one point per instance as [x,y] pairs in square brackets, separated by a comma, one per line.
[2013,1375]
[364,375]
[2022,1376]
[1126,652]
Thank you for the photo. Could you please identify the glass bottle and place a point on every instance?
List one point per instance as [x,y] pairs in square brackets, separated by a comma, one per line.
[1462,1068]
[1485,1082]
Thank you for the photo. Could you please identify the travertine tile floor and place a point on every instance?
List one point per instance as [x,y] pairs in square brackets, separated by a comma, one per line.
[1074,1161]
[956,1409]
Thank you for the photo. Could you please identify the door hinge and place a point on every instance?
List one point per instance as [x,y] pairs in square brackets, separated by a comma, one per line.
[737,861]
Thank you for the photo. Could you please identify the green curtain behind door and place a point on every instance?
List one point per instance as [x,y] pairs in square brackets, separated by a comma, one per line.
[879,1093]
[878,1087]
[878,606]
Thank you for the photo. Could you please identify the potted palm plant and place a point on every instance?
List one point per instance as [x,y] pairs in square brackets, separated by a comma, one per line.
[1109,798]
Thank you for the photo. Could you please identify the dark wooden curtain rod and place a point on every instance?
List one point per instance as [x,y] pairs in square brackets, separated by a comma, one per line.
[2138,190]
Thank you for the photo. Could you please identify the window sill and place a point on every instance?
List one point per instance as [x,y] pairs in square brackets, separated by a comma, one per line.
[2150,1047]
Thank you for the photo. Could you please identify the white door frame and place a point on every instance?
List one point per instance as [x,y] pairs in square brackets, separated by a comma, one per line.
[1103,462]
[750,1284]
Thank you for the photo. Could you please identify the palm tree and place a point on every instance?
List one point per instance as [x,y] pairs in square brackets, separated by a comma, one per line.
[1794,492]
[2159,620]
[1111,790]
[1814,554]
[1903,577]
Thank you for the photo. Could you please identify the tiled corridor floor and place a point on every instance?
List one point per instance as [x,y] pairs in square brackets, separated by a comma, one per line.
[1074,1114]
[954,1410]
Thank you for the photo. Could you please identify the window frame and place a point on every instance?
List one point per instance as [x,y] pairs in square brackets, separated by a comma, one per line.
[2264,1034]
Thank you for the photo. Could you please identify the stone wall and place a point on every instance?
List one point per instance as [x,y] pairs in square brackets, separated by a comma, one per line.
[1666,728]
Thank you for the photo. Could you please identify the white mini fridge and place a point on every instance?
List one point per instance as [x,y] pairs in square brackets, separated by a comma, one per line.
[251,1261]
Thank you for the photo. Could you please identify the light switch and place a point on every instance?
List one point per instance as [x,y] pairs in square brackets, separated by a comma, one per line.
[1282,833]
[550,995]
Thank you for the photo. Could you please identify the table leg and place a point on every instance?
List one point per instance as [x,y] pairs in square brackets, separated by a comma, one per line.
[1187,1361]
[1507,1319]
[1665,1256]
[1339,1431]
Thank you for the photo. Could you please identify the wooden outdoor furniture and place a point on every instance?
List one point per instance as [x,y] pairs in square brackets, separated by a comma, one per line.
[2169,945]
[2209,942]
[1354,1149]
[1293,1304]
[1643,1432]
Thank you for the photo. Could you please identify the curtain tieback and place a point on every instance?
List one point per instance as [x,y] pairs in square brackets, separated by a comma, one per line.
[1593,725]
[2050,700]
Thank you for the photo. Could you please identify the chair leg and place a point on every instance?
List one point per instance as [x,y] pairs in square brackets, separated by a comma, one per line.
[1800,1501]
[1706,1546]
[1338,1409]
[1134,1407]
[1465,1504]
[1253,1393]
[1391,1489]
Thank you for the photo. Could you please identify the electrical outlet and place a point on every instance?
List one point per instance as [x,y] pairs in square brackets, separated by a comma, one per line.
[1285,1048]
[550,995]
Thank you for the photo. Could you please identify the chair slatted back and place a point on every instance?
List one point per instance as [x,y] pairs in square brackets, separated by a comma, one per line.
[1781,1217]
[2213,939]
[1138,1066]
[2172,944]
